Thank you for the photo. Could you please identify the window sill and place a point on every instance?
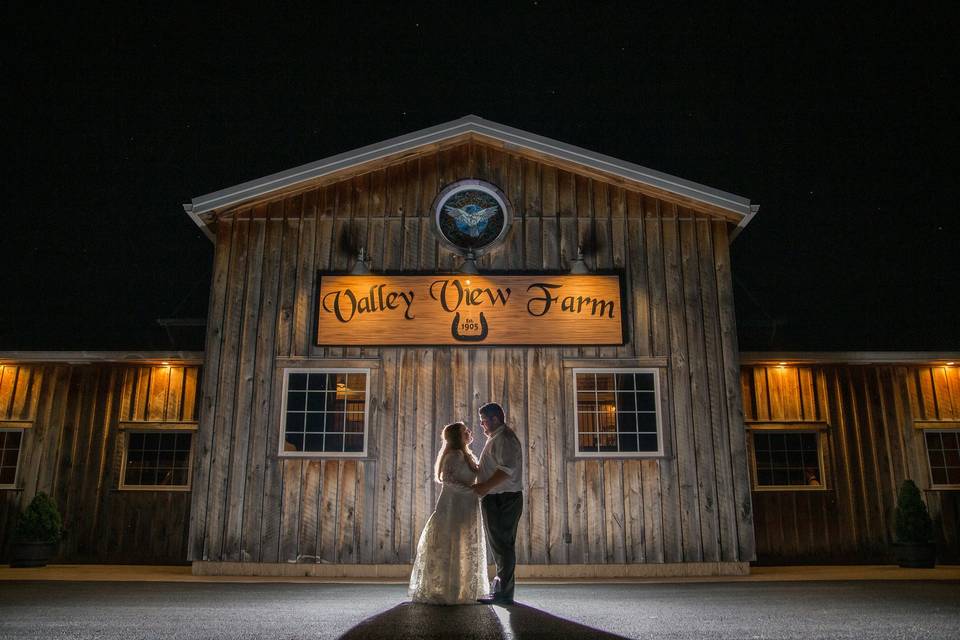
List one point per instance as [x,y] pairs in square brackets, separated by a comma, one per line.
[157,425]
[619,456]
[154,489]
[320,456]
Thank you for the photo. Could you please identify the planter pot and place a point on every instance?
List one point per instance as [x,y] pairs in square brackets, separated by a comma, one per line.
[31,554]
[916,556]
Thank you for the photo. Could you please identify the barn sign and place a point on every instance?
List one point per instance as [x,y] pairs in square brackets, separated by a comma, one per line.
[464,309]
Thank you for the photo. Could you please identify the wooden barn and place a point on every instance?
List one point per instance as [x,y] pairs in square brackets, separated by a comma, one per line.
[838,433]
[110,437]
[361,302]
[665,484]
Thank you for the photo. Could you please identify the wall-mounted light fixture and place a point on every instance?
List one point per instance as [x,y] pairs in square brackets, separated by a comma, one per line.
[469,264]
[360,267]
[578,266]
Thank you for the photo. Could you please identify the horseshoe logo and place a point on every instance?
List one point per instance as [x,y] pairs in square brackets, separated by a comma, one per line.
[477,338]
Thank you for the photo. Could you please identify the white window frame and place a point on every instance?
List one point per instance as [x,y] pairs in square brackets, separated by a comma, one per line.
[816,429]
[127,431]
[16,472]
[659,453]
[933,485]
[324,454]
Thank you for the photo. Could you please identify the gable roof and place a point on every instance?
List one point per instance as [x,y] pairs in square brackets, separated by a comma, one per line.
[739,206]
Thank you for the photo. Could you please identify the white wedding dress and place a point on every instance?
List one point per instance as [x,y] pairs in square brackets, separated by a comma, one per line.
[451,563]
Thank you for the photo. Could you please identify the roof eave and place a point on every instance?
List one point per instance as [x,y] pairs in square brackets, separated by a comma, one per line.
[469,124]
[754,208]
[936,358]
[188,207]
[87,357]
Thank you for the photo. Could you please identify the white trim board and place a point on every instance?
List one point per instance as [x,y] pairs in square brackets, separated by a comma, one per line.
[469,124]
[935,358]
[85,357]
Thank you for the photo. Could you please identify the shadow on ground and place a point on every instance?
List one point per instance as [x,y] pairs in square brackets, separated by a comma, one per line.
[479,622]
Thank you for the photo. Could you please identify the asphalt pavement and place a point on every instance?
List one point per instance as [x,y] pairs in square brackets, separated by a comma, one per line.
[59,609]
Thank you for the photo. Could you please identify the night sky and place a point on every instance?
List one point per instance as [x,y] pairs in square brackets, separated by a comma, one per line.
[842,126]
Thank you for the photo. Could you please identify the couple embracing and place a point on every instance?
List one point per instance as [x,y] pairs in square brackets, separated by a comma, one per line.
[480,500]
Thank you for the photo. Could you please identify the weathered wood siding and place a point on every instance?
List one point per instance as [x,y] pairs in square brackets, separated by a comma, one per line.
[872,445]
[251,505]
[71,449]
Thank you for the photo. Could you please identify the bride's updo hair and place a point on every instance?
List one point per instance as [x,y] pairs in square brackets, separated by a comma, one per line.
[453,441]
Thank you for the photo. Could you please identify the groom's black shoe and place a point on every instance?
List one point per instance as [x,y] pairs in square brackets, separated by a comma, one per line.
[495,599]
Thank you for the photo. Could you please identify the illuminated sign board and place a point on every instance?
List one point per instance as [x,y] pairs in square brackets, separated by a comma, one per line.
[471,309]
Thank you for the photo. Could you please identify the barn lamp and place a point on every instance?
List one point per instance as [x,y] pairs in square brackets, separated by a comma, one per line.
[578,266]
[469,264]
[360,267]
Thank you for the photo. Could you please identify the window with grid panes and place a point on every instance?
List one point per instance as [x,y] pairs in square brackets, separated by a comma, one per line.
[943,455]
[325,412]
[9,456]
[617,412]
[157,459]
[787,459]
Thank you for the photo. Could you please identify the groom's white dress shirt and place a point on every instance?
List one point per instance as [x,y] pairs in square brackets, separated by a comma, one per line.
[502,451]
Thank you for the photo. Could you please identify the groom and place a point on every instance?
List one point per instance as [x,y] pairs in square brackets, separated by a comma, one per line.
[501,487]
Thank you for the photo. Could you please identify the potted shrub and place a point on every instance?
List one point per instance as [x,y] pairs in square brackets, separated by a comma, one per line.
[914,530]
[36,534]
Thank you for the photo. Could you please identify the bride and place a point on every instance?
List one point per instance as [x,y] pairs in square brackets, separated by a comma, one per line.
[451,563]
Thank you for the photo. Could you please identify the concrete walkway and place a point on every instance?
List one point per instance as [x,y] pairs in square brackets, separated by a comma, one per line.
[181,573]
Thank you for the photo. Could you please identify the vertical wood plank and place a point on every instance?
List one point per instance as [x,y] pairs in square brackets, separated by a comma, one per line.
[669,484]
[703,442]
[292,472]
[262,425]
[555,425]
[653,522]
[243,408]
[306,276]
[406,424]
[386,452]
[680,388]
[596,516]
[309,525]
[633,510]
[329,510]
[293,211]
[159,387]
[515,408]
[226,392]
[719,423]
[347,525]
[576,512]
[928,398]
[425,444]
[615,510]
[536,458]
[941,389]
[173,408]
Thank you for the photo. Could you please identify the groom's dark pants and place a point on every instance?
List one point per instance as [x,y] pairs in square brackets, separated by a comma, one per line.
[501,515]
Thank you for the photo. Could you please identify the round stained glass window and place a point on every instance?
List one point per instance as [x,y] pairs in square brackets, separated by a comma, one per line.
[471,215]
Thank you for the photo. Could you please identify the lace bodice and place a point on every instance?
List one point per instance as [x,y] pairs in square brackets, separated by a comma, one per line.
[456,470]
